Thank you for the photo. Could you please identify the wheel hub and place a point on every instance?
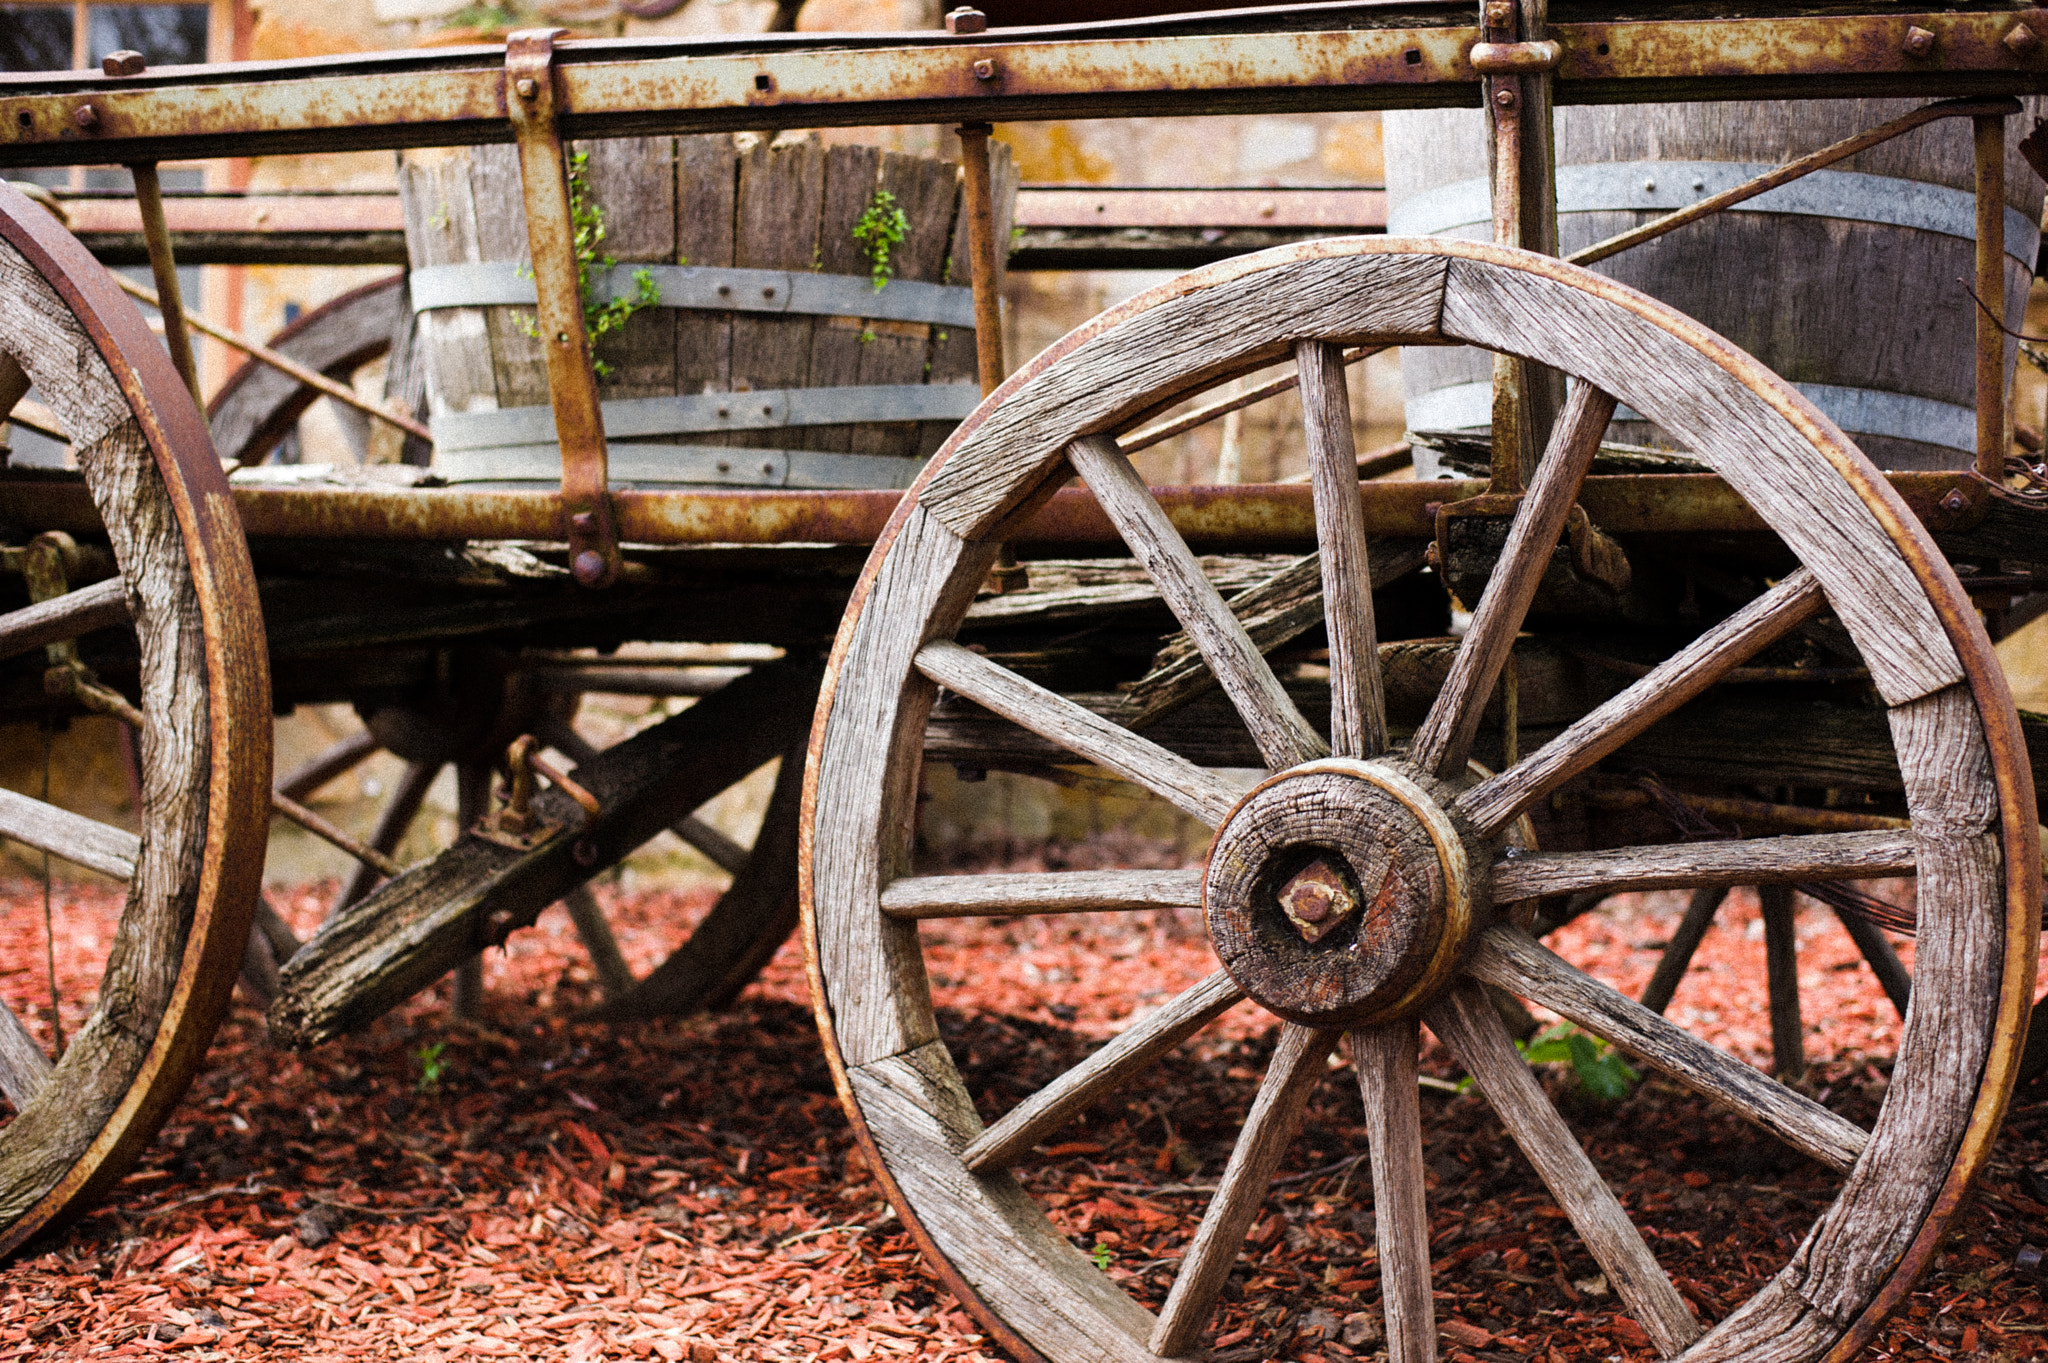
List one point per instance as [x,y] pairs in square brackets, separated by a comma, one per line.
[1339,893]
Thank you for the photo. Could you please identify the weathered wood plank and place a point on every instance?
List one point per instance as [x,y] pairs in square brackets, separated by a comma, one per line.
[1444,741]
[24,1069]
[1276,726]
[781,193]
[1495,802]
[75,838]
[614,976]
[1133,1050]
[1678,952]
[1466,1021]
[102,605]
[1781,975]
[1269,1128]
[1384,1057]
[1358,704]
[707,188]
[1078,731]
[1746,861]
[1512,960]
[996,896]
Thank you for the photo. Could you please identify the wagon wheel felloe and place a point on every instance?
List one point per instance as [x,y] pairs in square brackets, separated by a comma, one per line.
[79,1119]
[1358,890]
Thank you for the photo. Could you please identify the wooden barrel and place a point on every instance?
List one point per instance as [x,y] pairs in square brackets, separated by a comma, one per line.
[1851,283]
[771,360]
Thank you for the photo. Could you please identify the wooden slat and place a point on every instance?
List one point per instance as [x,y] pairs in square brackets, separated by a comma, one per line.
[723,852]
[24,1069]
[1051,716]
[1678,952]
[1268,1130]
[614,976]
[87,842]
[1514,961]
[1669,866]
[1441,744]
[1891,972]
[1384,1057]
[1466,1021]
[1781,975]
[100,606]
[1358,704]
[1134,1049]
[997,896]
[1495,803]
[1282,734]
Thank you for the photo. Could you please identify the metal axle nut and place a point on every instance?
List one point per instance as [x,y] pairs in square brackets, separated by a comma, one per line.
[123,63]
[965,20]
[985,69]
[1919,42]
[2022,41]
[527,87]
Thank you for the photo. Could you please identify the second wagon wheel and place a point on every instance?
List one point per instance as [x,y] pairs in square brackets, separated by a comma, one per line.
[1416,848]
[78,1120]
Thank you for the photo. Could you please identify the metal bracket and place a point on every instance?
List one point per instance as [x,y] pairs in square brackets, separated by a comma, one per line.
[517,823]
[531,104]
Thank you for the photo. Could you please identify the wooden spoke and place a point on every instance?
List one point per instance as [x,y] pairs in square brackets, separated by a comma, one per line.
[1445,738]
[349,753]
[1884,962]
[1677,957]
[1384,1057]
[85,842]
[100,606]
[24,1069]
[392,826]
[1496,802]
[727,855]
[1137,1047]
[1518,963]
[1051,716]
[1000,896]
[1781,974]
[1268,1130]
[1466,1021]
[1282,735]
[1668,866]
[614,976]
[1358,706]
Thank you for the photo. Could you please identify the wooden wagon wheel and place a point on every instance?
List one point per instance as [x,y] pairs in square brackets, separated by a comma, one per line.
[1419,855]
[204,741]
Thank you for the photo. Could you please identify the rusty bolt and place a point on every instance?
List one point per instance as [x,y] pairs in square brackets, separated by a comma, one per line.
[589,569]
[583,522]
[984,69]
[527,87]
[1955,501]
[123,63]
[966,20]
[585,852]
[2022,41]
[1500,14]
[1919,42]
[1317,898]
[1504,98]
[86,117]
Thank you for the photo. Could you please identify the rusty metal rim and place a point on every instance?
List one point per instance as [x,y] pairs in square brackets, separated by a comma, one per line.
[237,703]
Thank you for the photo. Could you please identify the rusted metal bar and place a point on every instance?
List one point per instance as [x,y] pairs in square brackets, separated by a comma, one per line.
[530,95]
[978,200]
[149,201]
[282,362]
[1992,440]
[1790,171]
[1201,64]
[1513,446]
[328,832]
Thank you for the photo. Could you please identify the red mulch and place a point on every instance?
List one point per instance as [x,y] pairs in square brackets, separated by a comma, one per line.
[687,1189]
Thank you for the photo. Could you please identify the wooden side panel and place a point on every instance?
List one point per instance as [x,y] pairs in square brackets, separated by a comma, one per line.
[781,194]
[852,175]
[500,206]
[632,180]
[440,229]
[707,186]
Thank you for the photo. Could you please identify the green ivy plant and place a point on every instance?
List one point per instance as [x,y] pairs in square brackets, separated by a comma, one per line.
[601,317]
[881,228]
[1599,1067]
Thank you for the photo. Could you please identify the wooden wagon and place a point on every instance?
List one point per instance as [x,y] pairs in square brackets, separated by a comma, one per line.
[1399,814]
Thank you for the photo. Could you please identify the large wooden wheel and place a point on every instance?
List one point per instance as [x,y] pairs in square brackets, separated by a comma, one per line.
[1415,850]
[79,1120]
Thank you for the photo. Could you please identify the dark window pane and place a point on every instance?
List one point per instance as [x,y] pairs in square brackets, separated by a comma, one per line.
[35,38]
[166,35]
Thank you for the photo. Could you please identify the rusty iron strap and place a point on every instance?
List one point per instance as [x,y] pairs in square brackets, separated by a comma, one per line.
[530,98]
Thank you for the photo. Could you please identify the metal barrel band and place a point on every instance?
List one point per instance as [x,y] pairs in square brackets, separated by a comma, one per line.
[700,413]
[657,466]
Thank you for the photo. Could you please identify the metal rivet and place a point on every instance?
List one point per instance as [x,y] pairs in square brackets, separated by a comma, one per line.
[1955,501]
[1649,186]
[561,338]
[583,522]
[1919,42]
[527,87]
[724,289]
[1504,98]
[767,409]
[768,292]
[984,69]
[589,568]
[966,20]
[767,468]
[724,412]
[725,466]
[2022,41]
[1698,186]
[123,63]
[86,116]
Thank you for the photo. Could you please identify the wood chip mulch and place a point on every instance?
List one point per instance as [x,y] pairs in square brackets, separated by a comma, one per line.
[544,1188]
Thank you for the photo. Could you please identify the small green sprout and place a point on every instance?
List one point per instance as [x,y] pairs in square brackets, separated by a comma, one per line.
[432,1066]
[882,227]
[1101,1256]
[600,317]
[1600,1069]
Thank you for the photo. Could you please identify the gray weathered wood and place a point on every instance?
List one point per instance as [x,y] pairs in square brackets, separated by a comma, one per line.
[53,829]
[1747,861]
[343,756]
[99,606]
[707,189]
[1276,726]
[1052,716]
[1269,1128]
[1495,802]
[1891,972]
[1133,1050]
[996,896]
[1445,739]
[24,1069]
[1678,952]
[781,193]
[1384,1057]
[1358,706]
[1512,960]
[614,976]
[1781,972]
[1468,1024]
